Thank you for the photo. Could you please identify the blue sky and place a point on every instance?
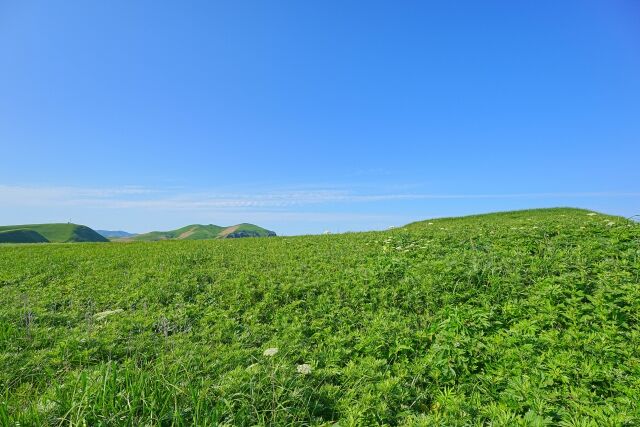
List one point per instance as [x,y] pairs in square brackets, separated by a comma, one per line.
[312,116]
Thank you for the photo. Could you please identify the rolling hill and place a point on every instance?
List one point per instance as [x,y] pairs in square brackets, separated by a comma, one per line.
[527,318]
[202,232]
[55,233]
[22,235]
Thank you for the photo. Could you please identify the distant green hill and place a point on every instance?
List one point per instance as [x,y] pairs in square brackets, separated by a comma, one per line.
[57,233]
[21,236]
[201,232]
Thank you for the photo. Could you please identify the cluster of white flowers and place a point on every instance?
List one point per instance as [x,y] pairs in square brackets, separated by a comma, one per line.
[270,352]
[104,314]
[388,244]
[304,369]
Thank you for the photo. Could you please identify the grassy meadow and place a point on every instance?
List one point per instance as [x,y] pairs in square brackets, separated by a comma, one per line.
[519,318]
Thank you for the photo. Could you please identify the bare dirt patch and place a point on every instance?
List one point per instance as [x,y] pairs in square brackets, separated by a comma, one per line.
[187,233]
[227,231]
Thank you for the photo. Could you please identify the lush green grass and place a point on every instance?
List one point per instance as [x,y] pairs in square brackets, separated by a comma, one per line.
[21,236]
[201,232]
[59,233]
[525,318]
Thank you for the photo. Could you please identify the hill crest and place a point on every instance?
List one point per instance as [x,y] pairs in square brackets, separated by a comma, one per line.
[53,233]
[201,232]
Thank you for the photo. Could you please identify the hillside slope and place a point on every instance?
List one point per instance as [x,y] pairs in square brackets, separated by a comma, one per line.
[60,233]
[21,236]
[520,318]
[201,232]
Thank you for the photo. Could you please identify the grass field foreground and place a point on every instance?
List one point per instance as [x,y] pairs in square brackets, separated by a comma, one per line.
[517,318]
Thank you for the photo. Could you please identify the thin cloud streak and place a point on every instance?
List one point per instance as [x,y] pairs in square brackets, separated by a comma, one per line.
[129,197]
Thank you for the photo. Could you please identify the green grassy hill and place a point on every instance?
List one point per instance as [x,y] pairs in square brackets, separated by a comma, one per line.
[21,236]
[59,233]
[245,230]
[525,318]
[200,232]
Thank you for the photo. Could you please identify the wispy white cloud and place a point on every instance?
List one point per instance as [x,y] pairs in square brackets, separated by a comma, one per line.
[22,193]
[172,199]
[418,196]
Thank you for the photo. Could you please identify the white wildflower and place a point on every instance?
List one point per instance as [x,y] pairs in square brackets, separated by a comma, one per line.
[592,214]
[105,314]
[270,352]
[430,223]
[610,223]
[45,406]
[304,369]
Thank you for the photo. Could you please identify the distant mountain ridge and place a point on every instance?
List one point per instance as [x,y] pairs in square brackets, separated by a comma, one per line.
[200,232]
[114,233]
[49,233]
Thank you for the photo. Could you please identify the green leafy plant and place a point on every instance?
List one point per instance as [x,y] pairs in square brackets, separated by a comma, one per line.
[517,318]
